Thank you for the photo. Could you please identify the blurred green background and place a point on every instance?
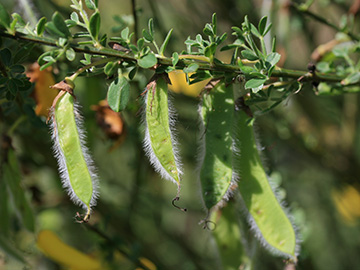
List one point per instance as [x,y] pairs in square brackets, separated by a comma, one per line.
[310,143]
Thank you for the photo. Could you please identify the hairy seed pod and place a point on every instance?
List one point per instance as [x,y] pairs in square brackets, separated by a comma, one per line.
[75,164]
[159,142]
[228,237]
[266,216]
[216,149]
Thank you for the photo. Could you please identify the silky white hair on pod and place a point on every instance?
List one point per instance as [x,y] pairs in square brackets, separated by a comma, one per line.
[147,143]
[61,159]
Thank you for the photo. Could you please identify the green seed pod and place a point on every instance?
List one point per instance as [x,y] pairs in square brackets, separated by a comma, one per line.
[160,143]
[75,164]
[227,235]
[216,146]
[266,216]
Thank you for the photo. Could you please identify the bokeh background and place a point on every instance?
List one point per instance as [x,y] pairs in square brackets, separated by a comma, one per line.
[310,145]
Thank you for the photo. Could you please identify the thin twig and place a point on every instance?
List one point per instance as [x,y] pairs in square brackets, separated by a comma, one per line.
[133,5]
[318,18]
[115,245]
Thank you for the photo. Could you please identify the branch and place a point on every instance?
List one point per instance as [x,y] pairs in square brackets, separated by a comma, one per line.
[167,61]
[134,11]
[318,18]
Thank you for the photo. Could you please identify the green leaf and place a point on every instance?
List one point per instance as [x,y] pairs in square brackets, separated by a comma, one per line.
[255,83]
[41,59]
[140,44]
[191,68]
[151,27]
[214,23]
[71,23]
[229,47]
[340,51]
[40,26]
[90,4]
[17,69]
[147,61]
[147,37]
[175,58]
[4,17]
[118,94]
[19,20]
[132,73]
[323,67]
[352,78]
[267,29]
[13,25]
[210,50]
[258,75]
[62,41]
[273,58]
[95,25]
[74,16]
[125,33]
[60,24]
[133,48]
[22,53]
[237,31]
[221,39]
[262,25]
[254,31]
[52,29]
[273,46]
[250,55]
[166,41]
[103,40]
[190,42]
[47,65]
[70,54]
[208,30]
[110,68]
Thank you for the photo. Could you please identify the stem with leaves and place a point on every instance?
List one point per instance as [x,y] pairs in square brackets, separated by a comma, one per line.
[184,60]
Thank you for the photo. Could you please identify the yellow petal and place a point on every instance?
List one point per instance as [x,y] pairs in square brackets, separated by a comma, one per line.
[179,84]
[52,246]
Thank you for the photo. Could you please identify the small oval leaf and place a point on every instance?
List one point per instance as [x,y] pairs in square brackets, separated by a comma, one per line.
[95,25]
[90,4]
[118,94]
[249,55]
[352,78]
[191,68]
[262,25]
[147,37]
[254,83]
[147,61]
[60,24]
[70,54]
[40,27]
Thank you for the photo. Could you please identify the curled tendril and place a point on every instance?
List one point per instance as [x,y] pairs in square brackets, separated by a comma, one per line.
[206,221]
[81,218]
[178,207]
